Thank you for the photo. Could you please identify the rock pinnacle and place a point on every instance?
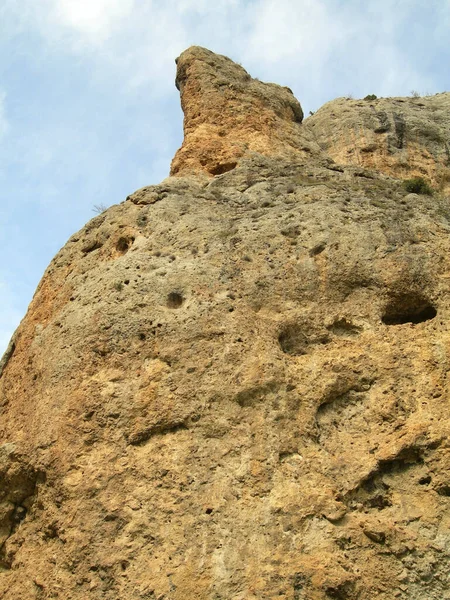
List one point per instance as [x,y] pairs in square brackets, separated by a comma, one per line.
[228,115]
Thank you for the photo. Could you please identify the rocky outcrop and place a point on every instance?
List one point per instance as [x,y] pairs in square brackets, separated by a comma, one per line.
[235,387]
[401,137]
[228,115]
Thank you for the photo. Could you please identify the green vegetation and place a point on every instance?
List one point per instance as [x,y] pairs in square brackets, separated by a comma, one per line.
[370,97]
[417,185]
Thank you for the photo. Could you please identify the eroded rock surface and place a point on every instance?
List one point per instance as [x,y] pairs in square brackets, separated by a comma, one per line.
[236,387]
[401,137]
[228,115]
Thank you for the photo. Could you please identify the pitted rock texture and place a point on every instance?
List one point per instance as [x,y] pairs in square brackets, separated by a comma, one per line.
[235,387]
[401,137]
[228,115]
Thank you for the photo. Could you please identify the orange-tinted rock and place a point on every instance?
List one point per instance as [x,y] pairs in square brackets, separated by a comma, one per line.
[228,115]
[235,387]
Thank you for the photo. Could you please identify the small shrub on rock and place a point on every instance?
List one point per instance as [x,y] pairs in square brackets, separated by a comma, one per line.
[417,185]
[370,97]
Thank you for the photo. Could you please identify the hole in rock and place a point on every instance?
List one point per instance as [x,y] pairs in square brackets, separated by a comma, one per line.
[209,511]
[222,168]
[408,308]
[444,490]
[294,341]
[123,244]
[174,300]
[425,480]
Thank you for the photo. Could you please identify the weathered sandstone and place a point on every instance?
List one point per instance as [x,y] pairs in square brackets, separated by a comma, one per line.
[401,137]
[228,115]
[235,386]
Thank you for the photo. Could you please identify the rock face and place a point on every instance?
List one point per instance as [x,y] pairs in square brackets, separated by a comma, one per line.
[228,115]
[401,137]
[235,386]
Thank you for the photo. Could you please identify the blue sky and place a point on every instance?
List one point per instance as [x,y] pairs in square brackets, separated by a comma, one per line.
[89,111]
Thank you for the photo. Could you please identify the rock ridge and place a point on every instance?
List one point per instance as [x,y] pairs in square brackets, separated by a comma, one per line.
[401,137]
[229,115]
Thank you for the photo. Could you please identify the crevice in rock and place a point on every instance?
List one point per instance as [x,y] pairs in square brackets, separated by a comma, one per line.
[344,328]
[373,491]
[91,246]
[407,458]
[341,591]
[317,249]
[223,168]
[341,412]
[408,308]
[384,124]
[300,585]
[251,397]
[400,129]
[140,437]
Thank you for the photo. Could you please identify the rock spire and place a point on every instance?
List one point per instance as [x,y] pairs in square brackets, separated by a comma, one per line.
[229,115]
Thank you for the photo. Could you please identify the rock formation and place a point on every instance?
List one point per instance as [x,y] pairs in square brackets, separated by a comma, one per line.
[228,115]
[401,137]
[234,385]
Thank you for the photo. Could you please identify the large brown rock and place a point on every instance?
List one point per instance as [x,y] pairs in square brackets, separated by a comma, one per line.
[228,115]
[235,387]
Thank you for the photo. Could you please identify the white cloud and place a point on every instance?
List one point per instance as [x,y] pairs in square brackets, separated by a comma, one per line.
[95,18]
